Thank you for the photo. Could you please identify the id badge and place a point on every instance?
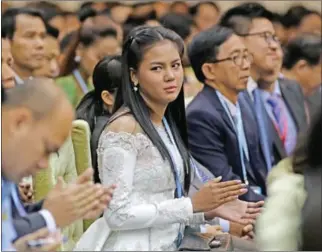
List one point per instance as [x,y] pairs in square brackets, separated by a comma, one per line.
[256,189]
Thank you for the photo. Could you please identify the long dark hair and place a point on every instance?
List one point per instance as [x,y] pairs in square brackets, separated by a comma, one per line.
[106,76]
[137,41]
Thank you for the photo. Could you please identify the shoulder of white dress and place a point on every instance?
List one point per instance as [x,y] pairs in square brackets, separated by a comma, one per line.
[134,141]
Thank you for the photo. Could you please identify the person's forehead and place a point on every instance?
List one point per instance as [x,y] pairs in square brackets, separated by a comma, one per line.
[162,51]
[261,25]
[231,45]
[29,22]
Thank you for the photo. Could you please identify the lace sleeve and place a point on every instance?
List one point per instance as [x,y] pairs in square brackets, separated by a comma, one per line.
[117,162]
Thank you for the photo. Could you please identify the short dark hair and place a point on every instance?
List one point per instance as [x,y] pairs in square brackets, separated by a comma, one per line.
[307,47]
[205,46]
[10,15]
[52,31]
[295,15]
[181,24]
[194,9]
[248,11]
[88,36]
[49,9]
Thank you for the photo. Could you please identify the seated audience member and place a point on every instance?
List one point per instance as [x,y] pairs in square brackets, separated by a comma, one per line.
[97,105]
[298,20]
[302,63]
[280,30]
[205,14]
[277,104]
[120,12]
[39,113]
[221,134]
[185,27]
[93,45]
[26,31]
[50,67]
[179,7]
[291,220]
[8,233]
[7,73]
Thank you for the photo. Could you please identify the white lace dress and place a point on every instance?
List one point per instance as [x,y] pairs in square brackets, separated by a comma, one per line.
[143,214]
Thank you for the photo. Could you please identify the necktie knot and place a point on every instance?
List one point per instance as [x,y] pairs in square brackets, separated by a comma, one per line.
[273,100]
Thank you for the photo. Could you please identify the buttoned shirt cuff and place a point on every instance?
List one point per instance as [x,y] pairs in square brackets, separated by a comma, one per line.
[49,219]
[225,226]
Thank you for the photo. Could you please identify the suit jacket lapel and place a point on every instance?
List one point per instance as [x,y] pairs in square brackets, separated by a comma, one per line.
[250,128]
[212,96]
[294,107]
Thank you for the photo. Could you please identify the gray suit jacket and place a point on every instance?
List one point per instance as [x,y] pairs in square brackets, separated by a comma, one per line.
[314,103]
[30,223]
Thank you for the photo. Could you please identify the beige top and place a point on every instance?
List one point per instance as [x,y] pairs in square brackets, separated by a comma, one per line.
[279,226]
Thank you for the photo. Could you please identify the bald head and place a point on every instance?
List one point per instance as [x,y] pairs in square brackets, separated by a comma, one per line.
[37,119]
[40,95]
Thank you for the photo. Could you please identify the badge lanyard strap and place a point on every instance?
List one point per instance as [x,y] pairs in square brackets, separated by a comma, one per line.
[80,81]
[242,149]
[179,190]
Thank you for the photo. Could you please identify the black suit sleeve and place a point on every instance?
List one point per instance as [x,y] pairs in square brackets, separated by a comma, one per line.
[31,208]
[28,224]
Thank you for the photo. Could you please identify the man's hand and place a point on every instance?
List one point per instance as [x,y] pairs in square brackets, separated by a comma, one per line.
[22,243]
[104,201]
[71,202]
[79,200]
[239,230]
[25,192]
[104,198]
[238,211]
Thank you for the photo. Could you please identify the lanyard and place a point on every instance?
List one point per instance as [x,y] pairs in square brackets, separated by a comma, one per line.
[239,130]
[179,190]
[80,81]
[283,134]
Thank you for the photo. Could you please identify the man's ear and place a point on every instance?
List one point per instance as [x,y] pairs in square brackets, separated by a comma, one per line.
[21,120]
[301,64]
[208,71]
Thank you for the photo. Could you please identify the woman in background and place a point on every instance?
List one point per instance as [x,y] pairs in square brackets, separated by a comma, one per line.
[97,105]
[92,46]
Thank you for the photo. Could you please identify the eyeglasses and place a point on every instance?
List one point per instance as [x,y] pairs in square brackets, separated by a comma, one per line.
[238,60]
[267,36]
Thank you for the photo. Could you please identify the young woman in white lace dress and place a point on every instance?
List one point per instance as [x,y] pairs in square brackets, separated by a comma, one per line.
[144,151]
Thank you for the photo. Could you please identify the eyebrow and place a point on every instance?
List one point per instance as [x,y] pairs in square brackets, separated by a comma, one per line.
[162,63]
[238,51]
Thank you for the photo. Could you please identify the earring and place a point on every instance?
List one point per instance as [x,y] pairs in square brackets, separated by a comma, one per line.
[77,59]
[135,87]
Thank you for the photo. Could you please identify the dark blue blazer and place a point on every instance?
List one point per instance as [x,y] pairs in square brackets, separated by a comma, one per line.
[213,142]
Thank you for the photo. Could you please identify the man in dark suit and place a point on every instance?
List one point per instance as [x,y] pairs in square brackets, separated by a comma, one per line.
[220,130]
[277,105]
[302,63]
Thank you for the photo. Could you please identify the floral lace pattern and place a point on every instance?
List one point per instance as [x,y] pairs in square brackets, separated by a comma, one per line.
[143,214]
